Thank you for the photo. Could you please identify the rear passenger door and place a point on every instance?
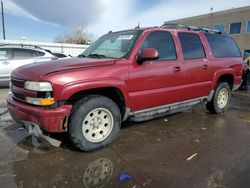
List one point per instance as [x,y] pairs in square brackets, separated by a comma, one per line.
[197,82]
[156,82]
[5,66]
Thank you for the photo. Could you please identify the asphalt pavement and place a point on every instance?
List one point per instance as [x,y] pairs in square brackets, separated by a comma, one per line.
[191,149]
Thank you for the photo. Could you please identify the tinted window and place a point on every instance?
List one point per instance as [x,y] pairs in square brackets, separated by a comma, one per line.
[163,43]
[4,54]
[59,55]
[223,45]
[191,45]
[220,27]
[24,54]
[40,53]
[235,28]
[248,26]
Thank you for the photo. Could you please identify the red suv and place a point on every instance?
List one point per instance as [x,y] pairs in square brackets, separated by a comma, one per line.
[137,74]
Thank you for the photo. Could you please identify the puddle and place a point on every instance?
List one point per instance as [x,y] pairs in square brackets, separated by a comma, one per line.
[9,151]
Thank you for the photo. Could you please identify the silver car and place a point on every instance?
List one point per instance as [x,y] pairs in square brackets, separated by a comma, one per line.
[13,56]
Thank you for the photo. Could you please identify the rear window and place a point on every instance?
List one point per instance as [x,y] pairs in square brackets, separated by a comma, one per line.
[223,45]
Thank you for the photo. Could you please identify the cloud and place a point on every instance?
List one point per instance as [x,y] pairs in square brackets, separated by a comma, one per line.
[100,16]
[63,12]
[174,9]
[160,12]
[14,9]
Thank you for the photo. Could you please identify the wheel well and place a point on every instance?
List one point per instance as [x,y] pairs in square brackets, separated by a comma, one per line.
[227,78]
[110,92]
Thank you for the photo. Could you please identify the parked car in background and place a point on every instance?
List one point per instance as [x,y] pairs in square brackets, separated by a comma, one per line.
[13,56]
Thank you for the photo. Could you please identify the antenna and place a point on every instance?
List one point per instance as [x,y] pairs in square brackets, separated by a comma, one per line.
[211,10]
[138,26]
[3,20]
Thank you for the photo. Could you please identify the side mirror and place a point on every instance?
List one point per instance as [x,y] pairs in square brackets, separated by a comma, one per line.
[147,54]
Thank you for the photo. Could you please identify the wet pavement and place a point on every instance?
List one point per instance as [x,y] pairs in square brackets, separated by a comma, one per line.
[190,149]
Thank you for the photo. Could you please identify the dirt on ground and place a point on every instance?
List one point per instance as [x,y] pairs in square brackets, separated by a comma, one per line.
[189,149]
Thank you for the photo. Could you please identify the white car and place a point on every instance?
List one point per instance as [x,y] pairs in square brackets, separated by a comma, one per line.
[13,56]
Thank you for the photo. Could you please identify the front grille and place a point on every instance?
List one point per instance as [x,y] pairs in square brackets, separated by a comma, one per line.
[18,96]
[17,83]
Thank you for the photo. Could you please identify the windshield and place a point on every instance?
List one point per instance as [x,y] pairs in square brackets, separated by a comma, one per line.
[112,45]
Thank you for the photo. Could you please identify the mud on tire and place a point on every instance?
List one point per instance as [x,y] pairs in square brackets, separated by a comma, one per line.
[221,99]
[94,123]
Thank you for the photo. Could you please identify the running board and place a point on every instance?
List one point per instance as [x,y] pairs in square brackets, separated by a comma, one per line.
[157,112]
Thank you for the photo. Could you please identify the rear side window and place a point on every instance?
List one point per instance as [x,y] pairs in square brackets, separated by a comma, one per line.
[163,42]
[191,45]
[24,54]
[4,54]
[40,53]
[223,45]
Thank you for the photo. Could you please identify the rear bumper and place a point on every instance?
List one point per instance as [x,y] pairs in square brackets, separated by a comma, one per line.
[50,120]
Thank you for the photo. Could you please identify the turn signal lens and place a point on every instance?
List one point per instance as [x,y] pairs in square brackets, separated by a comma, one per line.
[47,102]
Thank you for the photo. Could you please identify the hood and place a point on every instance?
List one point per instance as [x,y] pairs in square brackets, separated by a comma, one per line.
[36,71]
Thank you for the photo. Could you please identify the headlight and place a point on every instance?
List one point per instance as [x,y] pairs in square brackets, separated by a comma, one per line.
[38,86]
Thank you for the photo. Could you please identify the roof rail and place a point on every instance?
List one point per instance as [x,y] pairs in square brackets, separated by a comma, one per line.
[190,28]
[22,45]
[173,26]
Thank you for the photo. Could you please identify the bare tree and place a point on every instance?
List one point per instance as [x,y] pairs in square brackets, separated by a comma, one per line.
[76,35]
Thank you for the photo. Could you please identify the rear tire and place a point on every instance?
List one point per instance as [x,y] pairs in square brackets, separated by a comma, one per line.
[221,99]
[94,123]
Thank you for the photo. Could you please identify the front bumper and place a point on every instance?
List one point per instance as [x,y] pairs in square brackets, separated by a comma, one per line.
[50,120]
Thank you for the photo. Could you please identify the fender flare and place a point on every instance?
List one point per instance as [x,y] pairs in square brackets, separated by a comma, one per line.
[220,73]
[74,88]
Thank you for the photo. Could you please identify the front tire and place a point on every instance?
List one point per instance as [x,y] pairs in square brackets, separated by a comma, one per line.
[221,99]
[94,123]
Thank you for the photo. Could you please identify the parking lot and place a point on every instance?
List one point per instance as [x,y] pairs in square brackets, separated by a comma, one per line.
[189,149]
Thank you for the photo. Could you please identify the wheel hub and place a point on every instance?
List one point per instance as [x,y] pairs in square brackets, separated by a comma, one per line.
[222,98]
[97,125]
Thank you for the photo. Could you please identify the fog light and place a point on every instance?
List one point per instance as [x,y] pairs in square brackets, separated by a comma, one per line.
[40,101]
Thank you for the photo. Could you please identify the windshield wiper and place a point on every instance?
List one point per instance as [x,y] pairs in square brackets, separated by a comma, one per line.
[81,55]
[96,55]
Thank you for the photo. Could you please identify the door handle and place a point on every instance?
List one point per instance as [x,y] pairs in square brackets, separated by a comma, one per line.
[177,69]
[6,63]
[205,66]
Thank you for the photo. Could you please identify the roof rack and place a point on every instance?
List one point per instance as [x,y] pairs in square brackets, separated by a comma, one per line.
[190,28]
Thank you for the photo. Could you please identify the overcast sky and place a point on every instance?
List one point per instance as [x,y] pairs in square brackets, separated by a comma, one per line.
[44,19]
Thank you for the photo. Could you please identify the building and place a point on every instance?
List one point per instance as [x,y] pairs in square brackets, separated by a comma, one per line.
[235,22]
[68,49]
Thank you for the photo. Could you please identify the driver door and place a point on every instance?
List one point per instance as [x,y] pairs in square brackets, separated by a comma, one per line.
[156,82]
